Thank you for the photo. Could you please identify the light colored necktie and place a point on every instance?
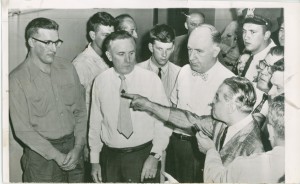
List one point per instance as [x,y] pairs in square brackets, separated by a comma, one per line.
[124,121]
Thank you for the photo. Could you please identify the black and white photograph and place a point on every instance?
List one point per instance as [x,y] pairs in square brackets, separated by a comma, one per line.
[202,92]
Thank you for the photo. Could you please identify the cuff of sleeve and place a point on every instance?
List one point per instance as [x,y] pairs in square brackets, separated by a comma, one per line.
[94,156]
[157,150]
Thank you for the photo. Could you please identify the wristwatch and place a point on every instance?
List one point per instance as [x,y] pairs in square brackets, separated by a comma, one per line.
[155,155]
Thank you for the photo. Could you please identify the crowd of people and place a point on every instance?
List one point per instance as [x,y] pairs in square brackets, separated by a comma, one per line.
[202,108]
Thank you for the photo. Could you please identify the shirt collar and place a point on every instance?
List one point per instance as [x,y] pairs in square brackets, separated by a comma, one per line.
[154,68]
[128,76]
[208,74]
[93,53]
[240,125]
[34,70]
[262,54]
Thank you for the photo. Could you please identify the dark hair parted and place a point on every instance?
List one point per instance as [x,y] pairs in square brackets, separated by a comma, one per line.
[99,18]
[276,115]
[119,21]
[278,65]
[243,92]
[118,35]
[162,33]
[278,51]
[39,23]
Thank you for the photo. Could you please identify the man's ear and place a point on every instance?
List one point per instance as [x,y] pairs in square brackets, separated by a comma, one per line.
[30,42]
[150,46]
[267,35]
[231,107]
[186,26]
[216,50]
[108,55]
[92,35]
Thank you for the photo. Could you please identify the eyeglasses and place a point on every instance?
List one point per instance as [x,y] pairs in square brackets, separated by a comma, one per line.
[263,64]
[57,43]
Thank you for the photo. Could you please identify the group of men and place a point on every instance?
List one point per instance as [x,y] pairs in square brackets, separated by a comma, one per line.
[123,118]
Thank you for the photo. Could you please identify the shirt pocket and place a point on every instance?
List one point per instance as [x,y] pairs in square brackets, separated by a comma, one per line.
[39,105]
[68,94]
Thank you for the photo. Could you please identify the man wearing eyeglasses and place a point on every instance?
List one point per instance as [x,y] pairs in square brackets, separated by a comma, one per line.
[263,84]
[47,109]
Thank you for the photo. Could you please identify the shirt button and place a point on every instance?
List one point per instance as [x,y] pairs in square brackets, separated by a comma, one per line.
[61,114]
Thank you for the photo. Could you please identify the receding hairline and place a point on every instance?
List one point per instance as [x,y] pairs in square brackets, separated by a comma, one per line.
[111,41]
[194,15]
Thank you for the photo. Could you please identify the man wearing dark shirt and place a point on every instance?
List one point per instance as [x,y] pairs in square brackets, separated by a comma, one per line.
[47,109]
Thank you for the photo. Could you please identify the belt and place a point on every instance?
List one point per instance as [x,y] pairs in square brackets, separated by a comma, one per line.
[183,137]
[130,149]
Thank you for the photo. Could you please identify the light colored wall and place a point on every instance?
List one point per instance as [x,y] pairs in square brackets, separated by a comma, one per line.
[222,18]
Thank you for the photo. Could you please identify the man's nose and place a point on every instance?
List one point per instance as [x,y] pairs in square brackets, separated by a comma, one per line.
[191,55]
[164,53]
[265,71]
[53,47]
[134,34]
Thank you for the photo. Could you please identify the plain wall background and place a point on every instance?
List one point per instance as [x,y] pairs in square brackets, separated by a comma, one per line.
[73,32]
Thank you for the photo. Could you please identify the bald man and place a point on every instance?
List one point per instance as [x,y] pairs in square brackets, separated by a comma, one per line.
[194,90]
[126,22]
[180,54]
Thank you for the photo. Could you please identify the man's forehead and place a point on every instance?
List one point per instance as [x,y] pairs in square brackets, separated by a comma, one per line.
[122,43]
[47,33]
[105,29]
[200,36]
[162,44]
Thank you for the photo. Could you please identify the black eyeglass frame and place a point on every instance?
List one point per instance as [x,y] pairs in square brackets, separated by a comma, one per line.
[57,43]
[263,64]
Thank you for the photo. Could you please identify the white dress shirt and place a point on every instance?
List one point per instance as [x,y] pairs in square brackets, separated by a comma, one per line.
[89,65]
[252,70]
[194,94]
[105,109]
[169,74]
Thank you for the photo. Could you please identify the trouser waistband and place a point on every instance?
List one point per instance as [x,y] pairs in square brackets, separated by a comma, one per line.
[130,149]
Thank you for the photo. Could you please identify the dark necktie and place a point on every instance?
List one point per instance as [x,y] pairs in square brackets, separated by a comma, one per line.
[223,138]
[247,65]
[260,105]
[124,121]
[159,73]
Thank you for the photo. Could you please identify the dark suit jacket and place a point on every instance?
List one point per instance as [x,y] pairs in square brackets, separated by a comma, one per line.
[180,55]
[246,142]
